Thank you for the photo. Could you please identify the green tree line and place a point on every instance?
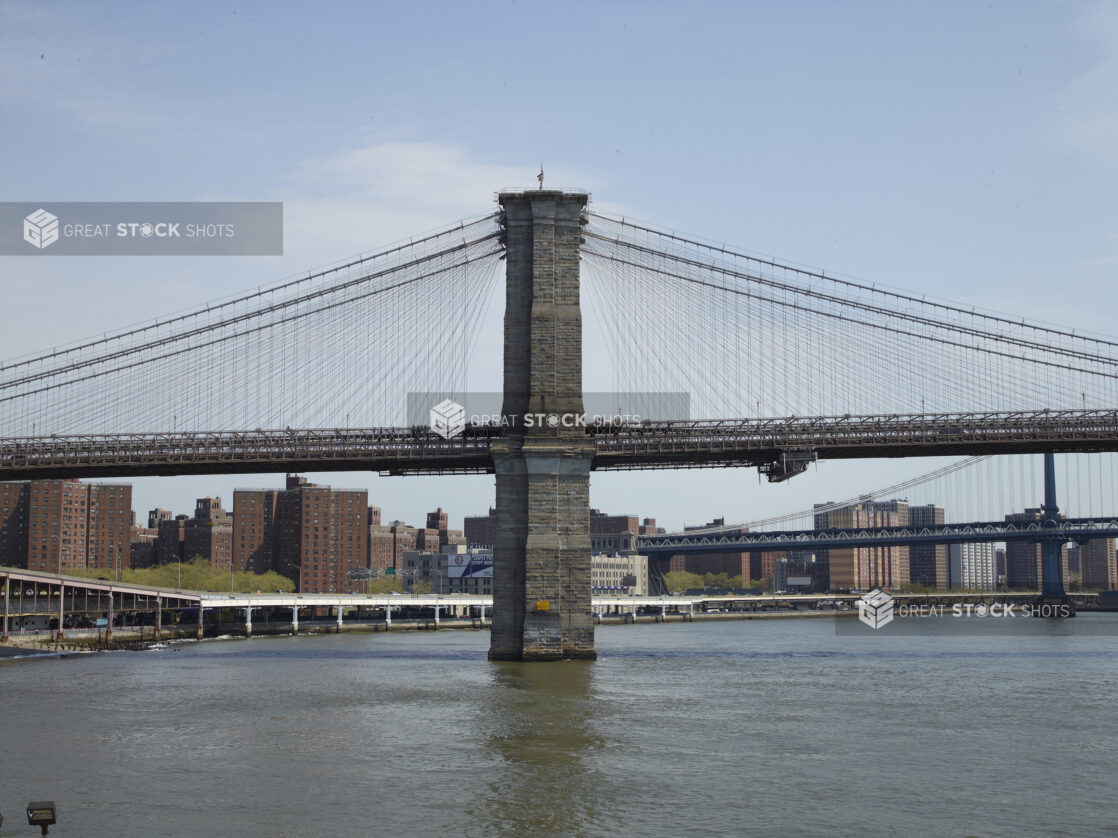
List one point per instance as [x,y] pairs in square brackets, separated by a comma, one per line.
[196,575]
[680,581]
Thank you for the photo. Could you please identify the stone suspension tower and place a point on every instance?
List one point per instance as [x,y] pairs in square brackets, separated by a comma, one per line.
[541,561]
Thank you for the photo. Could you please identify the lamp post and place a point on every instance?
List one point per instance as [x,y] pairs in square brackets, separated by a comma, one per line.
[42,813]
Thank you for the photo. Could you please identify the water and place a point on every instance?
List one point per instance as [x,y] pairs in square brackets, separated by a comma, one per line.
[759,727]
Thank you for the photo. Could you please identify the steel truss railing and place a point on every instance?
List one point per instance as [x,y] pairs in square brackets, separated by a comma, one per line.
[648,445]
[1071,529]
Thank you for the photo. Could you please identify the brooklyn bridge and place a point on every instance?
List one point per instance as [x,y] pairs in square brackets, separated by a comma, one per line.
[719,359]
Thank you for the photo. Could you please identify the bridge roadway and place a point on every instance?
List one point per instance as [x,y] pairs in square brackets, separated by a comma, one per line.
[48,593]
[781,447]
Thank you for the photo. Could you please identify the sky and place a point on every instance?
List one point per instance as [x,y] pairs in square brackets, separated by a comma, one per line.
[960,150]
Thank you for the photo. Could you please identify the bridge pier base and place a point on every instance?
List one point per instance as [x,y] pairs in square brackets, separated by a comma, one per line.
[158,617]
[109,626]
[541,601]
[61,611]
[295,619]
[248,622]
[1053,607]
[1053,600]
[7,607]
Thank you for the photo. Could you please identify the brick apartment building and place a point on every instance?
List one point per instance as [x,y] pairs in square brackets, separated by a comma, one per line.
[1097,568]
[314,534]
[927,563]
[866,567]
[64,525]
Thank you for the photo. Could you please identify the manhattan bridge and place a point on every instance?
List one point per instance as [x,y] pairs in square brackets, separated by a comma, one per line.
[727,359]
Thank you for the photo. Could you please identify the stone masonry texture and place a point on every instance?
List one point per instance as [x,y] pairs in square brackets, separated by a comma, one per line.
[541,584]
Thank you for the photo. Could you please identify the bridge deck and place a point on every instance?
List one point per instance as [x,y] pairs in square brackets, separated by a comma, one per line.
[651,445]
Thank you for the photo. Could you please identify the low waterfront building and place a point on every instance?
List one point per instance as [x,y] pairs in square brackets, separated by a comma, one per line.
[625,575]
[455,569]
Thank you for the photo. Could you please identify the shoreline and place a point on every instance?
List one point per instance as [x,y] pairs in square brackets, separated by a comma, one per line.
[42,644]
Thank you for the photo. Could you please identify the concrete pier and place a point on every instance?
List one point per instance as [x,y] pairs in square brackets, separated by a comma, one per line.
[541,561]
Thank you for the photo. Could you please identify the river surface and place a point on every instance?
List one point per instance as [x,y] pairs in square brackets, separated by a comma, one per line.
[764,728]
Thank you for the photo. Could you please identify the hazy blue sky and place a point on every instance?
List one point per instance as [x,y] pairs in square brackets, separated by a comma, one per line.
[964,150]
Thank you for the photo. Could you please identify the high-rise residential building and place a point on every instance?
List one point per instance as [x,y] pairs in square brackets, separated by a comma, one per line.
[169,544]
[254,530]
[865,567]
[436,535]
[886,567]
[63,525]
[1024,560]
[142,549]
[1097,564]
[58,528]
[427,539]
[480,530]
[209,534]
[389,542]
[972,566]
[15,499]
[763,565]
[927,563]
[842,563]
[437,520]
[156,515]
[1073,558]
[313,534]
[323,534]
[109,535]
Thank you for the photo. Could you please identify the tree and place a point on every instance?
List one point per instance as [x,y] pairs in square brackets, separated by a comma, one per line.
[421,587]
[716,580]
[199,575]
[680,580]
[384,585]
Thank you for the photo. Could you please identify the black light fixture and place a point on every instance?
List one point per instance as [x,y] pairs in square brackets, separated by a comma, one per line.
[41,813]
